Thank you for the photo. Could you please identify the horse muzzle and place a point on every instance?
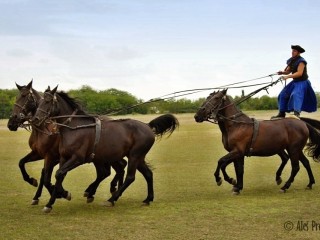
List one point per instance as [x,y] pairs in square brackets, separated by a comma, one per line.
[198,118]
[14,122]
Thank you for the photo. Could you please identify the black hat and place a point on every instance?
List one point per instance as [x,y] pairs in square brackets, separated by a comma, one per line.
[298,48]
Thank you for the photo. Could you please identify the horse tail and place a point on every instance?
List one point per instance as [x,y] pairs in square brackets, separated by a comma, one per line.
[313,122]
[163,124]
[313,146]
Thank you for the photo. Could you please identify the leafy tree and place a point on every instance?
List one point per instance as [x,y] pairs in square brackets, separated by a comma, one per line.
[7,99]
[120,102]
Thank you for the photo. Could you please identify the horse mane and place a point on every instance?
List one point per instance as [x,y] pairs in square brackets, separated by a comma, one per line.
[74,104]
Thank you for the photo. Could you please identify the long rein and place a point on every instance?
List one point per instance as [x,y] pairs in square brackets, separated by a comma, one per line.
[52,121]
[239,113]
[189,92]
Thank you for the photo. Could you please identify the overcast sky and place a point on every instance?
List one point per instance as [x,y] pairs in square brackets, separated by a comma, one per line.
[151,48]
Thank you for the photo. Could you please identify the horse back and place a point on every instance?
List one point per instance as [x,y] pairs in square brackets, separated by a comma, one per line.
[275,135]
[117,139]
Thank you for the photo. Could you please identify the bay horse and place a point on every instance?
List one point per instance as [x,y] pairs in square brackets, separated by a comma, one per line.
[103,141]
[243,136]
[44,145]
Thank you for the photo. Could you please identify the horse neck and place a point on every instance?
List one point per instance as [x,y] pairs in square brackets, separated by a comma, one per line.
[231,115]
[68,114]
[36,95]
[64,108]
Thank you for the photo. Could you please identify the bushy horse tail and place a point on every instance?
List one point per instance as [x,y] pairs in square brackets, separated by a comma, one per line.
[313,146]
[163,124]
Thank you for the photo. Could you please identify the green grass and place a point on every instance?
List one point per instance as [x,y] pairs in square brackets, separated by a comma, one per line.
[188,204]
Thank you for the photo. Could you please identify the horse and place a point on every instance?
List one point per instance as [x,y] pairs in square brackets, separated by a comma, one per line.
[44,145]
[103,141]
[243,136]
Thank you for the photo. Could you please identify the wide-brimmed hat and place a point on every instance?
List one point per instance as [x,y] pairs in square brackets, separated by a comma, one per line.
[298,48]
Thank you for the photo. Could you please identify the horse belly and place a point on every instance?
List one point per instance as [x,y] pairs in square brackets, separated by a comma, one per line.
[270,141]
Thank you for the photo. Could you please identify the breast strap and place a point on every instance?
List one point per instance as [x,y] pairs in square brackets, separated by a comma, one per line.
[97,137]
[254,135]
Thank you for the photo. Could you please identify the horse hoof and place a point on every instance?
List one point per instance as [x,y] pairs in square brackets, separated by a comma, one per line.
[219,182]
[233,182]
[283,191]
[34,182]
[68,197]
[108,204]
[35,202]
[90,200]
[85,194]
[145,204]
[309,188]
[235,193]
[46,209]
[279,181]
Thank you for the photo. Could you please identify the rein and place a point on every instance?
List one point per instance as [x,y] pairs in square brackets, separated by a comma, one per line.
[189,92]
[233,117]
[69,117]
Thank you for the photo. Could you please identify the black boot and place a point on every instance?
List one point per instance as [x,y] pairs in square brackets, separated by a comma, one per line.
[280,115]
[297,114]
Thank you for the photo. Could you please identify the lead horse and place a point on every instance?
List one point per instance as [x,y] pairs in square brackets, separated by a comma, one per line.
[243,136]
[45,146]
[105,143]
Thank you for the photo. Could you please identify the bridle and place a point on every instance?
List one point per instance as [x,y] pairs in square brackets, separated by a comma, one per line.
[213,115]
[214,109]
[23,108]
[47,96]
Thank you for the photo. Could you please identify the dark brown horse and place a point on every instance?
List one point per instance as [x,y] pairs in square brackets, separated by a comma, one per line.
[243,136]
[44,145]
[85,138]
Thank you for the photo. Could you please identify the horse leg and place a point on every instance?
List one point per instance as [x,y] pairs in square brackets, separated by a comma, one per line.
[30,157]
[306,164]
[35,200]
[103,171]
[148,175]
[45,180]
[284,159]
[130,177]
[217,173]
[239,169]
[58,188]
[294,169]
[226,177]
[119,167]
[49,164]
[227,159]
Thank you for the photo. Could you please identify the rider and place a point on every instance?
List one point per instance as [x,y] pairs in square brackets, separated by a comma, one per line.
[298,95]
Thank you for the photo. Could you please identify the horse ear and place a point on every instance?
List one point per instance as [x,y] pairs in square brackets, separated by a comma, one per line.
[224,91]
[54,90]
[18,86]
[29,86]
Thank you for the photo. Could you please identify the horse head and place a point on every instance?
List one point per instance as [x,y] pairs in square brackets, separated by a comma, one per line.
[211,106]
[48,107]
[24,107]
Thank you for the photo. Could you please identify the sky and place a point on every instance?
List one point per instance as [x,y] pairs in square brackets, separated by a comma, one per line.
[153,48]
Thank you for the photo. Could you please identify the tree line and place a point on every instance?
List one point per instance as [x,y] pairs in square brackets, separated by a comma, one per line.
[116,102]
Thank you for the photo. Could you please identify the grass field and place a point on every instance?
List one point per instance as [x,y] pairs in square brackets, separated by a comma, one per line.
[188,204]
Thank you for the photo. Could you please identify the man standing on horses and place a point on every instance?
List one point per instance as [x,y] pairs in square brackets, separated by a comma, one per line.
[298,95]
